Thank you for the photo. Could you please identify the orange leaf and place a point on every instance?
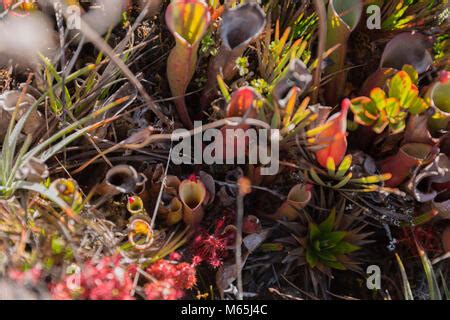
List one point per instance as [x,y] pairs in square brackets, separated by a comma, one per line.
[334,139]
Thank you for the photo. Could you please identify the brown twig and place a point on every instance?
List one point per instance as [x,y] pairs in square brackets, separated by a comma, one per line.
[146,137]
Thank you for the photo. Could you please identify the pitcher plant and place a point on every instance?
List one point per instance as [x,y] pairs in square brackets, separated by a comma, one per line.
[188,21]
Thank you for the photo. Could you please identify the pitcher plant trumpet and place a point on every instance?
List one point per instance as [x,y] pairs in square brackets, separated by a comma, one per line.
[188,21]
[343,17]
[192,193]
[408,157]
[439,98]
[122,179]
[240,27]
[297,199]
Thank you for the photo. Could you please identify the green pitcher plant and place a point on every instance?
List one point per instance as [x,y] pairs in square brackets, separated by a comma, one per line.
[343,17]
[188,21]
[439,98]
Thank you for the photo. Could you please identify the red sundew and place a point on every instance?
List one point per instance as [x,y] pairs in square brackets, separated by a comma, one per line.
[182,274]
[16,275]
[187,277]
[35,274]
[213,248]
[103,280]
[175,256]
[196,260]
[209,248]
[60,292]
[132,270]
[32,275]
[68,289]
[163,290]
[162,270]
[220,224]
